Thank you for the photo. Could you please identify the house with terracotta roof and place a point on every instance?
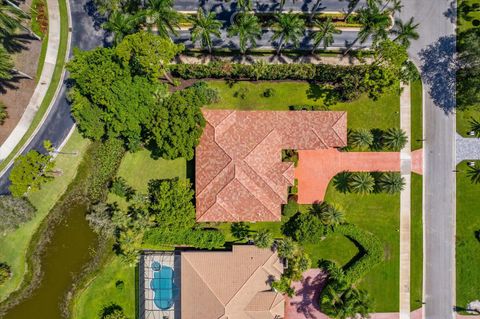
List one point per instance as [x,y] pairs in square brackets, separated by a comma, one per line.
[239,172]
[231,284]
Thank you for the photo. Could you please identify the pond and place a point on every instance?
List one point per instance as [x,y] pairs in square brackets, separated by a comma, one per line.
[69,249]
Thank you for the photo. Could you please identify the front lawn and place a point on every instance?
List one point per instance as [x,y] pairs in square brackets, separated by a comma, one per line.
[380,215]
[467,242]
[362,113]
[416,100]
[15,244]
[416,259]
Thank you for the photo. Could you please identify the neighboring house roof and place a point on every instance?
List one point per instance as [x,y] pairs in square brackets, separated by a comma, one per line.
[240,175]
[230,284]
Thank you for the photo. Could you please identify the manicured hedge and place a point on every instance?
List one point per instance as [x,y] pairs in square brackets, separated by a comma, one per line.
[198,238]
[373,251]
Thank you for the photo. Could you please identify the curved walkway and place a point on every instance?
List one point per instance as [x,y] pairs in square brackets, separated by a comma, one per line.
[43,83]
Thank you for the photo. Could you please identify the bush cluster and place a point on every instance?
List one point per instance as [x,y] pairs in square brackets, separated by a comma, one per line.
[14,211]
[107,158]
[372,251]
[305,228]
[198,238]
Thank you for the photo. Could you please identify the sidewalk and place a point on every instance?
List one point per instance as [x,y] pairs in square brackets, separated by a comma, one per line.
[43,83]
[405,201]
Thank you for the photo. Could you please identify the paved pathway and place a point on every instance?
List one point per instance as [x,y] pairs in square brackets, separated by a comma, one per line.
[43,83]
[468,148]
[317,167]
[405,203]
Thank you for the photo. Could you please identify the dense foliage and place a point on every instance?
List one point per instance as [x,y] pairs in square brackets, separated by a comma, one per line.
[392,139]
[3,112]
[198,238]
[5,272]
[367,182]
[14,212]
[304,227]
[107,158]
[30,172]
[468,73]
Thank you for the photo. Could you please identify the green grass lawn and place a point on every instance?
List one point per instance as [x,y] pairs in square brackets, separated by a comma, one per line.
[416,261]
[362,113]
[15,244]
[417,114]
[378,214]
[106,289]
[137,169]
[467,245]
[335,247]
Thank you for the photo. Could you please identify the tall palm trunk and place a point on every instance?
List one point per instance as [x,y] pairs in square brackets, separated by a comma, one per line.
[22,74]
[280,45]
[350,46]
[314,10]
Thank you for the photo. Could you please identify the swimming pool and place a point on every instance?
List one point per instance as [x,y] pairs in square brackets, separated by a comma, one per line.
[162,286]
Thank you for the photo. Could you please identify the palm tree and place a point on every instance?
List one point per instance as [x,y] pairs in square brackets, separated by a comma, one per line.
[374,24]
[361,138]
[286,248]
[391,182]
[395,139]
[474,174]
[160,13]
[324,33]
[332,216]
[474,124]
[121,24]
[362,183]
[247,29]
[405,32]
[11,19]
[289,29]
[6,65]
[240,230]
[314,9]
[341,301]
[263,238]
[341,182]
[334,271]
[204,26]
[244,5]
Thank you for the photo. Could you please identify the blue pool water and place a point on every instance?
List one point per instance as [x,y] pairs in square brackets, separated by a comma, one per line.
[162,286]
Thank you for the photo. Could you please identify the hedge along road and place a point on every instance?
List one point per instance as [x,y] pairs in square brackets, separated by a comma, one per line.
[86,35]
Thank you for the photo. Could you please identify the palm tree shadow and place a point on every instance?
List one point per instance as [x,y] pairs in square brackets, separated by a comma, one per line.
[17,42]
[309,294]
[438,71]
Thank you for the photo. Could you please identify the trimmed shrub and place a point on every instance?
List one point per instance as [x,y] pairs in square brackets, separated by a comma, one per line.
[107,158]
[198,238]
[14,211]
[206,94]
[290,208]
[305,228]
[269,92]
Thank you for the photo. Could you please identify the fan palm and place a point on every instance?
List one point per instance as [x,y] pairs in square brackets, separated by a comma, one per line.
[263,238]
[247,29]
[160,13]
[341,182]
[405,32]
[361,138]
[395,139]
[474,174]
[391,182]
[332,216]
[289,29]
[324,33]
[121,24]
[362,183]
[204,26]
[474,125]
[6,65]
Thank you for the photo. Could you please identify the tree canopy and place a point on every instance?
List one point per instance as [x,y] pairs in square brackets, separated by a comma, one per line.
[468,74]
[30,172]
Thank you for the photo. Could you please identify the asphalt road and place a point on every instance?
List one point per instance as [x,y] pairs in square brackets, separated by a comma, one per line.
[433,52]
[59,122]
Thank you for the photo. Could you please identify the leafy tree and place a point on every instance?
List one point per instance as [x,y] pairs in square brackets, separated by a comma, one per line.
[99,218]
[204,26]
[474,174]
[148,54]
[171,204]
[5,273]
[289,29]
[405,32]
[240,230]
[263,238]
[341,181]
[391,182]
[6,65]
[395,139]
[341,301]
[248,30]
[30,172]
[3,113]
[286,248]
[468,62]
[305,228]
[160,13]
[361,138]
[14,211]
[362,183]
[177,125]
[325,30]
[112,311]
[121,188]
[121,24]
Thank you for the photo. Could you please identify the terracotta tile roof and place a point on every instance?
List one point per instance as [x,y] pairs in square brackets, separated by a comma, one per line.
[231,284]
[240,175]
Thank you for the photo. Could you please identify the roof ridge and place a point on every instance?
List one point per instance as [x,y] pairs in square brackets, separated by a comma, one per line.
[319,138]
[335,124]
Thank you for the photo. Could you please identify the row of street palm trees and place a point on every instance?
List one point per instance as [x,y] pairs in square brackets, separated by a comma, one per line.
[288,30]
